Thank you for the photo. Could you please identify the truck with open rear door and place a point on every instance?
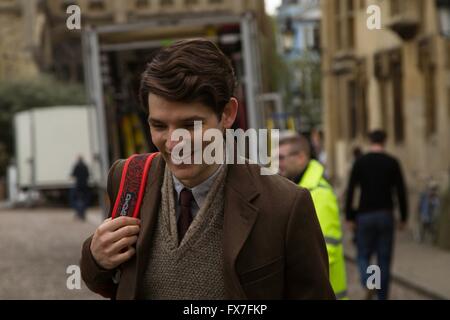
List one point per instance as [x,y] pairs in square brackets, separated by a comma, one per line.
[48,142]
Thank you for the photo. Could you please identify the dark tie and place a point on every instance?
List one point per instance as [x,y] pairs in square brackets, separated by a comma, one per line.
[185,218]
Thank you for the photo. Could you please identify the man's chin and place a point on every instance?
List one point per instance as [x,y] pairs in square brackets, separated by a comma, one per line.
[182,171]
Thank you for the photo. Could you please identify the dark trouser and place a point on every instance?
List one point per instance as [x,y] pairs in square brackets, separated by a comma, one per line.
[375,234]
[80,202]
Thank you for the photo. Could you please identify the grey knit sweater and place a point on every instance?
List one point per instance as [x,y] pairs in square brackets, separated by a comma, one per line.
[194,269]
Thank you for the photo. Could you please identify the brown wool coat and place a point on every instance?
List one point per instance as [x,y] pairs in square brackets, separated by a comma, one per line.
[273,247]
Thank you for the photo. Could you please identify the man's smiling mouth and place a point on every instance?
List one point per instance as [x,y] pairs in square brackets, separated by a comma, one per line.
[182,159]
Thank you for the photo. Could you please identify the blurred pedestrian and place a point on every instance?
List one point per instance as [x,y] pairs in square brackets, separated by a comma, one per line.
[428,211]
[378,175]
[208,230]
[296,164]
[80,192]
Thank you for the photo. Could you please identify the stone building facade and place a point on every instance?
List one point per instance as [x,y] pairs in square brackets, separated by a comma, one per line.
[396,78]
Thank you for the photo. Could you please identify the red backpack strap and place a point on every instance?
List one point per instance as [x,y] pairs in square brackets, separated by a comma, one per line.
[132,185]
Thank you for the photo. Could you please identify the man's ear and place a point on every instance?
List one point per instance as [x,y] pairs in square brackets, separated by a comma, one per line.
[229,113]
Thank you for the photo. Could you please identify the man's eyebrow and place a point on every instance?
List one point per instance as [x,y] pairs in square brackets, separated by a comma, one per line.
[193,118]
[189,119]
[149,119]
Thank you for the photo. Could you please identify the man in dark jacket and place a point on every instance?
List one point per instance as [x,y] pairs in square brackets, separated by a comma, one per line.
[80,192]
[378,175]
[206,231]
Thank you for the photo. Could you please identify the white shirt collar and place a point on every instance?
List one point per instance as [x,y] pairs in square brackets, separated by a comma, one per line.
[200,191]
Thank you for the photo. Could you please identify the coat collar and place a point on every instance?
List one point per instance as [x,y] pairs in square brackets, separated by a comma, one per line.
[239,217]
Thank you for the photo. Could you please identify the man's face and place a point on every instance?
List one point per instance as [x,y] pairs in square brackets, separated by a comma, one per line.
[167,116]
[291,163]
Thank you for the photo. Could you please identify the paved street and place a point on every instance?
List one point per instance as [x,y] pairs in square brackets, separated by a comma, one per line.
[418,270]
[397,292]
[36,248]
[38,245]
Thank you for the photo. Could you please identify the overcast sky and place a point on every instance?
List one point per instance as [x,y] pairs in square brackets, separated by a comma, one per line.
[271,6]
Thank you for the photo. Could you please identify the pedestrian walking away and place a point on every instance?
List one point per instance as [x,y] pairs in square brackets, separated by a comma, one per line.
[378,175]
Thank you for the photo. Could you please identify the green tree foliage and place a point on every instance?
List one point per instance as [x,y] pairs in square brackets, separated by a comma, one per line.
[24,94]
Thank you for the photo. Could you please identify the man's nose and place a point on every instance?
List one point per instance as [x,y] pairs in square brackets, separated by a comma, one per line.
[172,140]
[170,144]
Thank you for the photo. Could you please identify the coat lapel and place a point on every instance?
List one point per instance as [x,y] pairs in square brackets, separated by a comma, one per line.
[239,217]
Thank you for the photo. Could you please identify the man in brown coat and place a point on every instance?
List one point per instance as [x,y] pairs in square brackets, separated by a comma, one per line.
[206,231]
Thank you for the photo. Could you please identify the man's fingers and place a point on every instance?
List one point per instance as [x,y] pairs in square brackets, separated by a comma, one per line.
[114,224]
[125,256]
[122,243]
[123,232]
[123,221]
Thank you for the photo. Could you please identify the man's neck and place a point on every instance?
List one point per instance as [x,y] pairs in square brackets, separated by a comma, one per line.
[377,148]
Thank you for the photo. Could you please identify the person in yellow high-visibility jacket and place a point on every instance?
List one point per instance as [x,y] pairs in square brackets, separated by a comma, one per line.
[295,163]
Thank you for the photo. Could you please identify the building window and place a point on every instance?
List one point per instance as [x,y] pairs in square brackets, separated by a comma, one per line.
[316,36]
[397,91]
[140,4]
[396,7]
[363,5]
[339,92]
[338,22]
[344,15]
[357,102]
[65,4]
[381,71]
[351,94]
[389,72]
[96,5]
[363,109]
[383,104]
[166,3]
[430,101]
[190,2]
[427,67]
[350,26]
[362,98]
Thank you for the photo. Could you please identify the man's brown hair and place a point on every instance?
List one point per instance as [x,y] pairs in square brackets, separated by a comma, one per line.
[190,71]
